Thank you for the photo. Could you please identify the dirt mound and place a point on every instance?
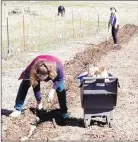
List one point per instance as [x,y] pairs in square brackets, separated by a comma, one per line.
[20,126]
[127,32]
[93,54]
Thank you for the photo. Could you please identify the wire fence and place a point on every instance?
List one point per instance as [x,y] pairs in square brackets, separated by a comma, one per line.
[28,31]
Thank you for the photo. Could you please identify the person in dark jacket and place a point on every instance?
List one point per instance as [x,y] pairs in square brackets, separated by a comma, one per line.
[42,68]
[114,22]
[61,10]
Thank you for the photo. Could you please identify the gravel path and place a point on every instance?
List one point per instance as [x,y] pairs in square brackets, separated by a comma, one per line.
[123,64]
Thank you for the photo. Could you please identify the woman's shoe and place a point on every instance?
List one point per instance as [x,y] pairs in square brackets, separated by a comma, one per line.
[15,113]
[115,45]
[65,115]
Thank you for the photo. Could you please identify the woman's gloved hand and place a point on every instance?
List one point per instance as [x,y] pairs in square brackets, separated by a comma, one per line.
[51,95]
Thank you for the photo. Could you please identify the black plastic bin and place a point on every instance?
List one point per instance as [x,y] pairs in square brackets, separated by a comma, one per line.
[99,98]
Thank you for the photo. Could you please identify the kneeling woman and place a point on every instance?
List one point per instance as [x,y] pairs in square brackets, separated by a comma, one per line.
[42,68]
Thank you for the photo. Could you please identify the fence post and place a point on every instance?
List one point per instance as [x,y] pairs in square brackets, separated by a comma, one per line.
[39,30]
[80,26]
[80,20]
[88,22]
[23,32]
[64,29]
[88,16]
[98,24]
[72,23]
[55,29]
[8,43]
[39,26]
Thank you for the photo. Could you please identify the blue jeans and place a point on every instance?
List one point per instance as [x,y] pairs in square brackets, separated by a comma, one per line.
[23,90]
[61,93]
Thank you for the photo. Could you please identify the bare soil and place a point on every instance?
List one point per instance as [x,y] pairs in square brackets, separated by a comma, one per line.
[122,62]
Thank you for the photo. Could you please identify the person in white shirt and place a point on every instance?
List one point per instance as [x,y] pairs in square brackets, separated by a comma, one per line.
[114,22]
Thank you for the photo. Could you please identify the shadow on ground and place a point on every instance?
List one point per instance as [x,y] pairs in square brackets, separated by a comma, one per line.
[6,112]
[55,114]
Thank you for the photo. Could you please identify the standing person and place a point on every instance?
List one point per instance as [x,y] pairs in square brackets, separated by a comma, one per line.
[61,10]
[114,22]
[42,68]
